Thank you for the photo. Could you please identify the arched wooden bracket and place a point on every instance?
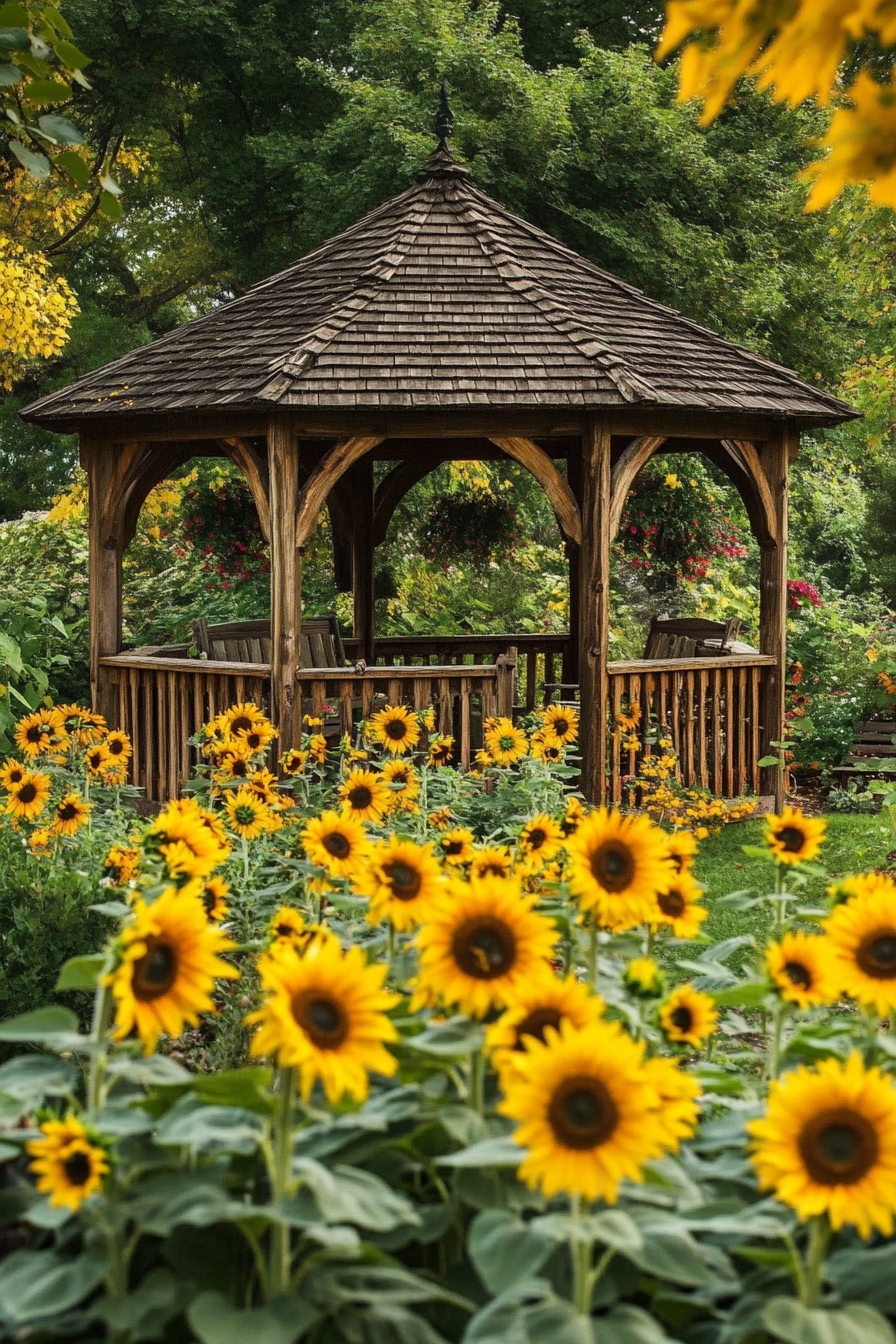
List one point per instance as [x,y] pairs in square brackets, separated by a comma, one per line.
[634,458]
[746,455]
[392,490]
[324,477]
[254,467]
[530,456]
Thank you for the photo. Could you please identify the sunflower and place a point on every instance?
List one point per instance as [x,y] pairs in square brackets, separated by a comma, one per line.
[214,899]
[317,748]
[865,884]
[39,842]
[494,860]
[643,977]
[483,760]
[118,745]
[337,843]
[400,880]
[28,798]
[325,1014]
[396,728]
[682,850]
[688,1017]
[287,925]
[618,864]
[560,724]
[456,846]
[827,1144]
[184,839]
[794,838]
[574,816]
[12,772]
[543,749]
[441,750]
[586,1110]
[505,743]
[97,759]
[364,795]
[122,864]
[862,936]
[243,718]
[678,906]
[482,942]
[403,780]
[678,1091]
[69,1167]
[168,961]
[441,819]
[540,838]
[39,732]
[264,785]
[260,737]
[246,813]
[427,719]
[71,814]
[544,1002]
[82,724]
[803,969]
[293,762]
[234,760]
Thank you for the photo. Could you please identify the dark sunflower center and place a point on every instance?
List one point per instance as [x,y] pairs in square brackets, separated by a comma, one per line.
[561,727]
[253,740]
[155,972]
[493,869]
[613,866]
[284,930]
[35,732]
[115,747]
[839,1147]
[95,760]
[534,1023]
[791,838]
[360,797]
[678,861]
[672,903]
[244,814]
[484,947]
[15,776]
[323,1019]
[396,729]
[403,879]
[66,811]
[239,769]
[682,1018]
[876,955]
[797,974]
[400,780]
[27,793]
[209,900]
[552,753]
[77,1169]
[582,1113]
[537,838]
[336,844]
[454,847]
[241,725]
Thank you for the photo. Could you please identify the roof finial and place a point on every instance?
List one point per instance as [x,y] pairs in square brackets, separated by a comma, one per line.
[444,118]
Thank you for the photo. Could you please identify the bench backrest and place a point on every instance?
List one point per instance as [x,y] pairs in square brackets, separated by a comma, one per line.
[250,641]
[685,636]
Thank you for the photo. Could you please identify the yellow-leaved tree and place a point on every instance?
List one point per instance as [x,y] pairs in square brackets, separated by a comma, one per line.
[797,49]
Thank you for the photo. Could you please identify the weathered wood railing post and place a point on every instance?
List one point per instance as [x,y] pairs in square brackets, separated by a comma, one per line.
[594,607]
[104,568]
[286,575]
[362,496]
[773,609]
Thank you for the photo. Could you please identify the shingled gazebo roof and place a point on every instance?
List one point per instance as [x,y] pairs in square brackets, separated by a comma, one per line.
[440,298]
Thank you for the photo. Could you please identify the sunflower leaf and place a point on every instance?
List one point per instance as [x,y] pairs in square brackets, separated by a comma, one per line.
[81,972]
[791,1322]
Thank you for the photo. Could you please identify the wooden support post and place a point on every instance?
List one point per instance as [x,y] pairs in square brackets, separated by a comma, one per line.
[362,556]
[286,576]
[104,570]
[773,611]
[594,608]
[570,666]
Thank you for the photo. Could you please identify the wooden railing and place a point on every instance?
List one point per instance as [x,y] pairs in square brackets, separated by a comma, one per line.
[711,707]
[161,702]
[540,658]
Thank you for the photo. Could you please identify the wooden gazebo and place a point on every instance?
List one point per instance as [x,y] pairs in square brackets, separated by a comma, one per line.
[440,327]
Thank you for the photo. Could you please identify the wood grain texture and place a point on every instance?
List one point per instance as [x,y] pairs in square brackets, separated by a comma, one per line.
[562,499]
[634,458]
[102,463]
[773,609]
[286,576]
[594,608]
[324,477]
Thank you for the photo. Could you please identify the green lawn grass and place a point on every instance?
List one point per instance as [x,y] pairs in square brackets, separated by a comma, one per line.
[853,844]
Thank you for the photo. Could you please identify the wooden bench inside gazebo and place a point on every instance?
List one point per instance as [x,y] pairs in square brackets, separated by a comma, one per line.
[439,327]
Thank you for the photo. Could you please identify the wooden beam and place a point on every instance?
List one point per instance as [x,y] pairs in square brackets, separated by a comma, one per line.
[594,611]
[286,575]
[773,610]
[340,511]
[362,496]
[563,501]
[255,470]
[101,461]
[633,459]
[324,477]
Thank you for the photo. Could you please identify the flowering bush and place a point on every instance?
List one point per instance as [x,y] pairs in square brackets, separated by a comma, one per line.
[673,527]
[476,528]
[800,593]
[468,1094]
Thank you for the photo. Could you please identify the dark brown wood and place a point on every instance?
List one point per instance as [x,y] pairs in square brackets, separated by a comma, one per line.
[360,482]
[104,570]
[594,615]
[562,499]
[286,576]
[324,476]
[773,609]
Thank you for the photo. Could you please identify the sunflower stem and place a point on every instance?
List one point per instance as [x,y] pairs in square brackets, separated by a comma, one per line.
[592,955]
[245,860]
[819,1236]
[280,1174]
[477,1081]
[580,1255]
[774,1051]
[102,1016]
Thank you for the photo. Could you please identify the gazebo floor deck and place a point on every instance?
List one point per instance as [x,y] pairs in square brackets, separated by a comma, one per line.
[710,706]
